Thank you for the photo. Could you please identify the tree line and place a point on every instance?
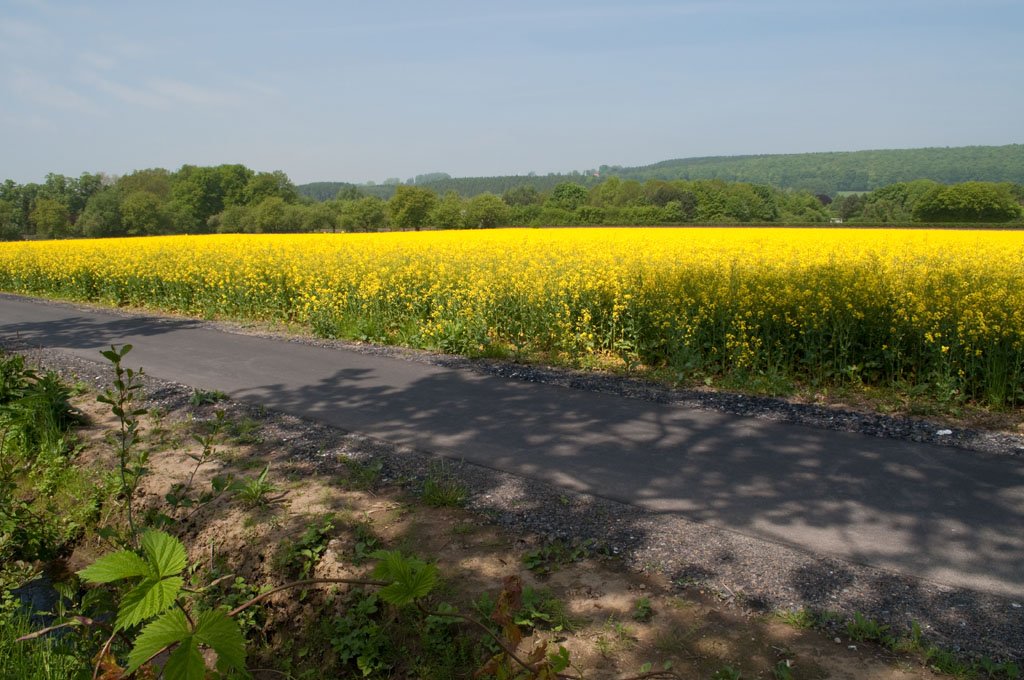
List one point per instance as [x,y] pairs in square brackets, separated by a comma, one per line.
[152,201]
[234,198]
[928,201]
[819,173]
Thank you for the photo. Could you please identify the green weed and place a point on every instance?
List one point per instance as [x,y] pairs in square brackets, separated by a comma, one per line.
[257,491]
[366,542]
[245,431]
[442,489]
[298,558]
[798,618]
[203,397]
[358,636]
[863,629]
[550,556]
[362,475]
[642,610]
[783,670]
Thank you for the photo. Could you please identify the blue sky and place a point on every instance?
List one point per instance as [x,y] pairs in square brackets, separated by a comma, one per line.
[359,91]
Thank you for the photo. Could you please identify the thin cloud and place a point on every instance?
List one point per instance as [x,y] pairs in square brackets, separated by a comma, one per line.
[127,94]
[35,88]
[33,122]
[165,93]
[101,62]
[17,30]
[24,41]
[186,93]
[261,89]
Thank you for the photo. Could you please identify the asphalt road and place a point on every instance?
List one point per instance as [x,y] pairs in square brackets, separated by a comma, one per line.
[948,516]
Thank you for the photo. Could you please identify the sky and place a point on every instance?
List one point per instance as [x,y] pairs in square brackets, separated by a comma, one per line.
[358,91]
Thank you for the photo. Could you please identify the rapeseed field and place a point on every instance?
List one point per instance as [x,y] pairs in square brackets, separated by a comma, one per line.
[935,310]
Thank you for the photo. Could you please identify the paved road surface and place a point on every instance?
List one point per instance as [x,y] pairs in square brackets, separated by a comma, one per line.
[949,516]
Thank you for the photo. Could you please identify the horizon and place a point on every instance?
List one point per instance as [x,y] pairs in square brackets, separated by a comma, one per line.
[567,173]
[338,92]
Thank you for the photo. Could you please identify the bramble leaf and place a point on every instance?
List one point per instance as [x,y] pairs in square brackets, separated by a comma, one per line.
[185,662]
[147,599]
[164,552]
[217,630]
[116,566]
[169,628]
[411,578]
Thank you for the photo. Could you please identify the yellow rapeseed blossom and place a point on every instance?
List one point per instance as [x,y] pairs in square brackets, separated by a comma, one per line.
[942,308]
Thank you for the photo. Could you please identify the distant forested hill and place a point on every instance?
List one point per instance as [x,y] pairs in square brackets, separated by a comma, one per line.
[827,173]
[822,173]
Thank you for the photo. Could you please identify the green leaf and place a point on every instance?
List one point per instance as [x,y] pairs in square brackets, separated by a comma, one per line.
[411,578]
[185,662]
[116,566]
[166,630]
[147,599]
[217,630]
[391,565]
[164,552]
[560,660]
[220,482]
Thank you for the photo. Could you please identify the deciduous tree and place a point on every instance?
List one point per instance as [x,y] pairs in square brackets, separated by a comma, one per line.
[142,214]
[567,196]
[449,212]
[51,218]
[102,214]
[410,206]
[485,211]
[366,214]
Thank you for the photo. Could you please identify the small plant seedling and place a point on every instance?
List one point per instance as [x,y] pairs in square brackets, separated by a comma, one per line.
[256,492]
[245,431]
[180,495]
[647,669]
[550,556]
[727,673]
[798,618]
[540,609]
[362,474]
[442,490]
[783,670]
[1006,669]
[120,398]
[642,611]
[912,642]
[356,635]
[203,397]
[946,662]
[367,542]
[863,629]
[300,557]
